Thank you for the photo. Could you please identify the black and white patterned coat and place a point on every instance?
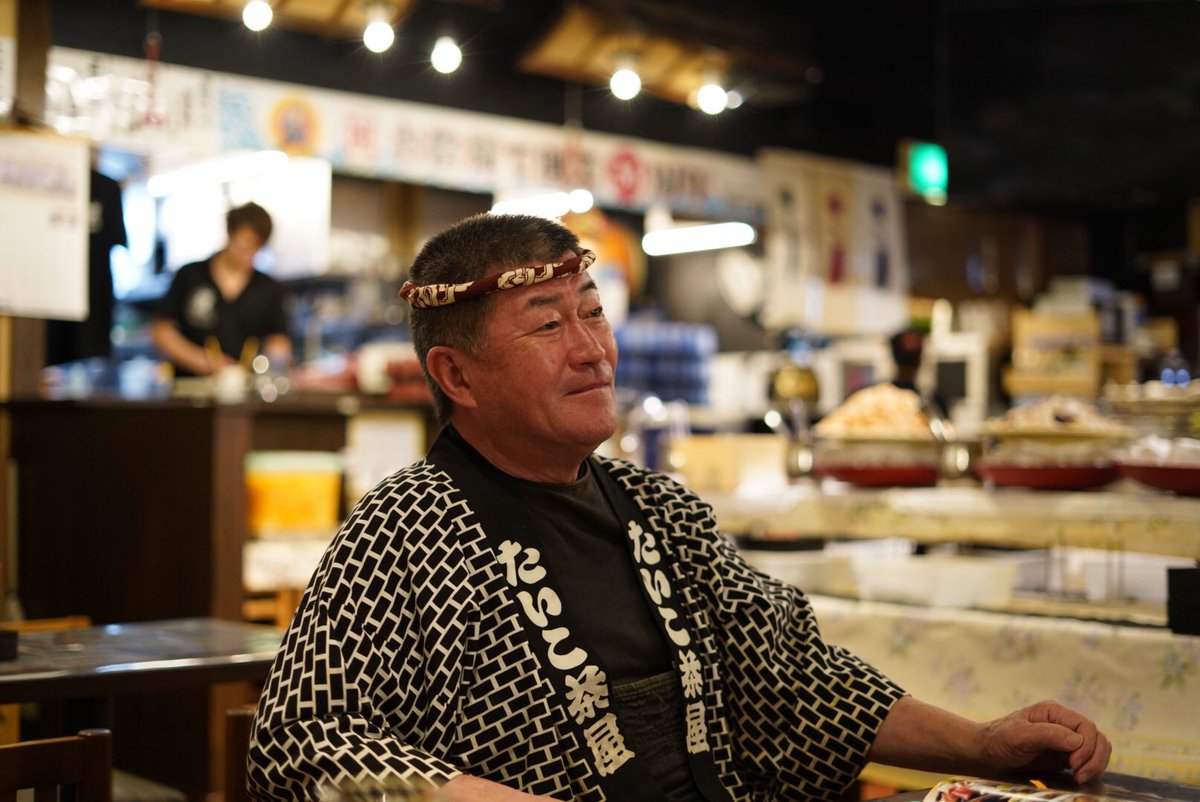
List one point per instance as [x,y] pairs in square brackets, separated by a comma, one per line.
[407,657]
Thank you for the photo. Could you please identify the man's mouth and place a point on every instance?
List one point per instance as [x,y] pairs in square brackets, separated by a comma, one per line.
[590,387]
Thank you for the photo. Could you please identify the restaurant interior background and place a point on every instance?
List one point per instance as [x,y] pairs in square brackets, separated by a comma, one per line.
[1060,260]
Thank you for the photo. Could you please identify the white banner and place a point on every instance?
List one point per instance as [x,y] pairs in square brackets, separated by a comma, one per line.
[837,261]
[178,114]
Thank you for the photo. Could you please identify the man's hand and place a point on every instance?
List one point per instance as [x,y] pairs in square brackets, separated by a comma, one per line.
[1046,736]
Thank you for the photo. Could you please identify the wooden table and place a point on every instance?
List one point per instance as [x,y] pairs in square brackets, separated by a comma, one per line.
[134,658]
[161,686]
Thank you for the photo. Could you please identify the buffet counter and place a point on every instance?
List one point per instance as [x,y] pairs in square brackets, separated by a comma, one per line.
[1124,517]
[1140,685]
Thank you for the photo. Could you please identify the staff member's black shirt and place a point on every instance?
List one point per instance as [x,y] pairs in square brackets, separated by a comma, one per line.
[195,305]
[67,340]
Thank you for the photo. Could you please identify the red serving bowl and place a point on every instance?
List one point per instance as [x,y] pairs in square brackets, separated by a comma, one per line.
[1050,477]
[1182,479]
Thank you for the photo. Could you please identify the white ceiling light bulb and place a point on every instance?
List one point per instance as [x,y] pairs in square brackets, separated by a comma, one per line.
[712,98]
[446,56]
[625,83]
[379,35]
[257,15]
[579,200]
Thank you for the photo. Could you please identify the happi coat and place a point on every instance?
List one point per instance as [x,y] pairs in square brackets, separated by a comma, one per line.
[423,648]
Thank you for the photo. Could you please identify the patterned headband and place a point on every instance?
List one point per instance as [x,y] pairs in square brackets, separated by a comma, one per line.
[423,296]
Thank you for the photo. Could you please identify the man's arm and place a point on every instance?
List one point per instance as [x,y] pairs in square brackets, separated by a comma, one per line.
[1044,736]
[465,788]
[278,348]
[179,349]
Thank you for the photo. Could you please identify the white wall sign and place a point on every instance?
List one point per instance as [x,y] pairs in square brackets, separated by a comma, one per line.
[44,190]
[8,73]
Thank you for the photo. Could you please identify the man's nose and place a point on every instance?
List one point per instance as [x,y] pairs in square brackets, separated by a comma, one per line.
[586,344]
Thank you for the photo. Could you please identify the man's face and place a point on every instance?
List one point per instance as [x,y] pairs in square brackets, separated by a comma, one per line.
[244,245]
[544,376]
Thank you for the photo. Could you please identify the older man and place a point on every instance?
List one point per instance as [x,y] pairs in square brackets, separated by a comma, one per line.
[516,618]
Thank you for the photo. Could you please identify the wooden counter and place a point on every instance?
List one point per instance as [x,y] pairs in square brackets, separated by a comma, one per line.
[135,511]
[1123,517]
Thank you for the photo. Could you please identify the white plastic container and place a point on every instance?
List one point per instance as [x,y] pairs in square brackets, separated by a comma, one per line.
[1116,576]
[937,581]
[811,571]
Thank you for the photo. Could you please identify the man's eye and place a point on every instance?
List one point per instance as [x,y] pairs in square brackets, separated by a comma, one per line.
[549,325]
[597,312]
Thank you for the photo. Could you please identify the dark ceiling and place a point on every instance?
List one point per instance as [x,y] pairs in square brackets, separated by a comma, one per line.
[1042,104]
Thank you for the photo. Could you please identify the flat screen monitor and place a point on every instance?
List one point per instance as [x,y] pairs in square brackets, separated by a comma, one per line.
[951,375]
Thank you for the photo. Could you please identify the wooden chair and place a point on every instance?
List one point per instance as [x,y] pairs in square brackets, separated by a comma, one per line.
[83,760]
[272,607]
[238,724]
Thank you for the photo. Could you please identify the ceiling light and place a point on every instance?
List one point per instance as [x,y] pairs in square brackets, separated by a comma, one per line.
[703,237]
[625,83]
[378,35]
[446,55]
[552,205]
[734,99]
[579,200]
[546,204]
[257,15]
[712,98]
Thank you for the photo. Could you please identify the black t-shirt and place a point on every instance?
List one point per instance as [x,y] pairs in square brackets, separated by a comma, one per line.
[583,545]
[581,541]
[196,306]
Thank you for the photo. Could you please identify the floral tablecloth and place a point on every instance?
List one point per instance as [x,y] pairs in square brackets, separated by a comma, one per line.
[1141,685]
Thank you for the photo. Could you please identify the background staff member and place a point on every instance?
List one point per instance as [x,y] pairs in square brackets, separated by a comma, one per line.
[224,299]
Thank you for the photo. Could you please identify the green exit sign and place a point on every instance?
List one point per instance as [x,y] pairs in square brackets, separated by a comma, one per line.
[926,172]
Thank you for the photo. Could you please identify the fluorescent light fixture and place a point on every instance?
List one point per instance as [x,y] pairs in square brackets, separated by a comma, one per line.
[215,171]
[702,237]
[446,56]
[545,204]
[712,98]
[257,15]
[625,83]
[378,35]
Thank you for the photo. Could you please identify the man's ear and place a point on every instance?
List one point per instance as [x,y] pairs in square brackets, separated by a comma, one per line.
[447,366]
